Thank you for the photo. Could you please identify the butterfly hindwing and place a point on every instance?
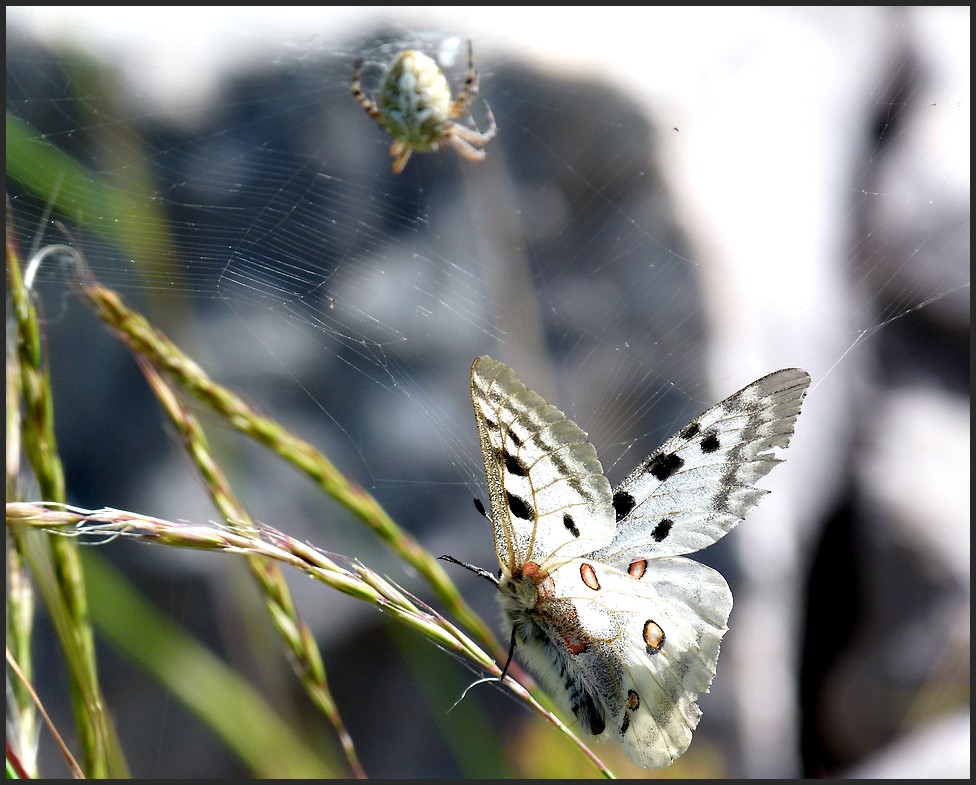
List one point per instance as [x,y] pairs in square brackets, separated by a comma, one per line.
[545,482]
[636,651]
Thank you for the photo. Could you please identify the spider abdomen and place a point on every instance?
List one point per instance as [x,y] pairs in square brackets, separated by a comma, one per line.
[415,101]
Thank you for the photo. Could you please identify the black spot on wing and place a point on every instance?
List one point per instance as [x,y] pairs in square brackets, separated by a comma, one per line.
[662,530]
[690,430]
[663,465]
[623,503]
[570,524]
[514,465]
[710,443]
[513,437]
[519,508]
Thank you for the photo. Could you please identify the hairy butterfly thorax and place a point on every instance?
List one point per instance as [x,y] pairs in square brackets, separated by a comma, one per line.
[594,590]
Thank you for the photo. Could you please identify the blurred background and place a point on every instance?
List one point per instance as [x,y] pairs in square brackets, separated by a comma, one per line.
[678,201]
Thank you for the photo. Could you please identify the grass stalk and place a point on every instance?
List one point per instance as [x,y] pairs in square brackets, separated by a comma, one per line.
[65,596]
[306,658]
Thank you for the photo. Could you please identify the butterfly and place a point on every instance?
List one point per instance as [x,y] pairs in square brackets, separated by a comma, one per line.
[594,591]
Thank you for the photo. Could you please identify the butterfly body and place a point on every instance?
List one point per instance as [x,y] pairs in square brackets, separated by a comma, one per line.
[593,587]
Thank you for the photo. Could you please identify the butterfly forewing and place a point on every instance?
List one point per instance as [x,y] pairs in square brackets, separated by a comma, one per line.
[549,498]
[700,483]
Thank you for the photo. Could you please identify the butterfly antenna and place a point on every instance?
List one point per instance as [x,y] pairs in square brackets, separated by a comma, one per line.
[476,570]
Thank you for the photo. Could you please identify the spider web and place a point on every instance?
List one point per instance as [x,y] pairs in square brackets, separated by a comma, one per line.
[677,203]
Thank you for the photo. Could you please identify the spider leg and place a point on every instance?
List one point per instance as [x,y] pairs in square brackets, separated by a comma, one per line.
[364,101]
[401,154]
[467,149]
[474,136]
[467,95]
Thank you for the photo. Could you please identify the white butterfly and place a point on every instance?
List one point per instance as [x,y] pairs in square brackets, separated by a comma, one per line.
[592,589]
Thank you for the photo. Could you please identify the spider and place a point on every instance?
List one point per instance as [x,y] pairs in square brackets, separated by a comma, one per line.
[415,108]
